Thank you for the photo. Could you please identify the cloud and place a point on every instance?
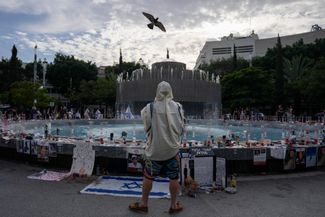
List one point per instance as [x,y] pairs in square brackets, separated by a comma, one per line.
[6,37]
[21,33]
[96,30]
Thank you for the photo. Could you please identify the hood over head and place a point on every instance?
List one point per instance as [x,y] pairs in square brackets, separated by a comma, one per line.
[164,91]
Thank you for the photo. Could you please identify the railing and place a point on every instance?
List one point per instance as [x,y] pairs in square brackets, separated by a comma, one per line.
[303,119]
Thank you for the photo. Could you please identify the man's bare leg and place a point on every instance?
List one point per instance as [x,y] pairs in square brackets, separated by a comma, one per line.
[173,188]
[146,188]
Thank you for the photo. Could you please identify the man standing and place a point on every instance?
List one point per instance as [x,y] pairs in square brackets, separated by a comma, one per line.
[164,123]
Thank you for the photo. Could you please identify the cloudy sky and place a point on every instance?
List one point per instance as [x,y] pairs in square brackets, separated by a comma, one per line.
[95,30]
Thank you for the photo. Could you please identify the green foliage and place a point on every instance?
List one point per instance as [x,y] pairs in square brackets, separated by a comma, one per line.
[10,70]
[106,90]
[249,87]
[4,97]
[29,71]
[234,59]
[24,93]
[101,91]
[313,88]
[126,67]
[279,75]
[302,67]
[66,73]
[4,67]
[295,68]
[224,66]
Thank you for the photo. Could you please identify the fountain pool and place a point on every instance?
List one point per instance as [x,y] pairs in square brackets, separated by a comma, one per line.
[198,130]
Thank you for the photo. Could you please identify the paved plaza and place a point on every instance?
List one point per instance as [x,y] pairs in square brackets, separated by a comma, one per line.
[290,195]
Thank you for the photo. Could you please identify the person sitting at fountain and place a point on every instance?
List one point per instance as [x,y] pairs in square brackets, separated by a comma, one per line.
[86,114]
[70,114]
[98,114]
[280,112]
[77,115]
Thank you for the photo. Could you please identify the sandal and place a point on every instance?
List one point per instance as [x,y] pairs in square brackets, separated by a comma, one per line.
[137,207]
[179,207]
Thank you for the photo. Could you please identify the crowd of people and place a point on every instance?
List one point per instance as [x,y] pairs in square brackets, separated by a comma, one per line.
[282,114]
[246,114]
[61,112]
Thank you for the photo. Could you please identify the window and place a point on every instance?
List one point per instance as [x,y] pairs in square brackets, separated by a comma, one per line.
[221,50]
[245,49]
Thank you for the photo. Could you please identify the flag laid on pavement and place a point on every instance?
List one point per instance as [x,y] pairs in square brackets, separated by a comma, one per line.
[124,186]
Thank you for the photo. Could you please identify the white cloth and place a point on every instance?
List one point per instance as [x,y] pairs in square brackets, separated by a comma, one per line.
[278,152]
[165,127]
[83,159]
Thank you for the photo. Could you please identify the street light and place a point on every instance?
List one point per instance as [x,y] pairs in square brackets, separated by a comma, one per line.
[44,64]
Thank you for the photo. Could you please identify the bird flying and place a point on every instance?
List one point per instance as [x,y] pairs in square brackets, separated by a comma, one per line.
[154,22]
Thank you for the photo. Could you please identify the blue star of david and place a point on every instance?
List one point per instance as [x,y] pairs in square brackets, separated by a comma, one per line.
[131,185]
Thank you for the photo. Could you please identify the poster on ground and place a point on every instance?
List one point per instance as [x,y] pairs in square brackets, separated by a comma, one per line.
[19,146]
[43,152]
[300,156]
[289,160]
[53,150]
[83,159]
[321,156]
[278,152]
[27,146]
[203,170]
[186,169]
[259,157]
[134,163]
[311,157]
[220,172]
[33,147]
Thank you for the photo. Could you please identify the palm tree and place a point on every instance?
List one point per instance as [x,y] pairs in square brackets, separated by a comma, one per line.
[296,68]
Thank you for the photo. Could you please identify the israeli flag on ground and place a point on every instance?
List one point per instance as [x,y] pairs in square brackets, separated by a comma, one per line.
[311,157]
[124,186]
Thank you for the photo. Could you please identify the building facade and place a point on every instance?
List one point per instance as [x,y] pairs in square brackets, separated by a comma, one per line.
[250,46]
[199,93]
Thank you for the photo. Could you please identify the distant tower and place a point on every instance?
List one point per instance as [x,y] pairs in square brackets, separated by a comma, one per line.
[35,64]
[121,61]
[167,53]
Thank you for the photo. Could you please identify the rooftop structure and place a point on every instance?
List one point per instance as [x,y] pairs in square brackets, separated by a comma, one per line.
[250,46]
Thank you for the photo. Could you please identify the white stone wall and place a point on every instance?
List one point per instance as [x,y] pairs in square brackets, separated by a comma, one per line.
[260,46]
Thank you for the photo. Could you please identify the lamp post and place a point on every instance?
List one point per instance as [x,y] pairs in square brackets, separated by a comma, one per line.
[44,64]
[35,65]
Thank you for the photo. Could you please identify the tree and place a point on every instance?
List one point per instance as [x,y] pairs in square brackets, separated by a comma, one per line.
[313,89]
[106,90]
[249,87]
[125,68]
[294,70]
[223,66]
[234,59]
[29,71]
[101,91]
[25,94]
[66,73]
[279,76]
[10,70]
[4,68]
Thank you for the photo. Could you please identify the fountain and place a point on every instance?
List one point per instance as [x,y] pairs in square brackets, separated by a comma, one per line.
[200,130]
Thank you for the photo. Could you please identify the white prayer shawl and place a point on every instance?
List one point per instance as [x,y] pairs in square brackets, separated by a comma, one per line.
[165,127]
